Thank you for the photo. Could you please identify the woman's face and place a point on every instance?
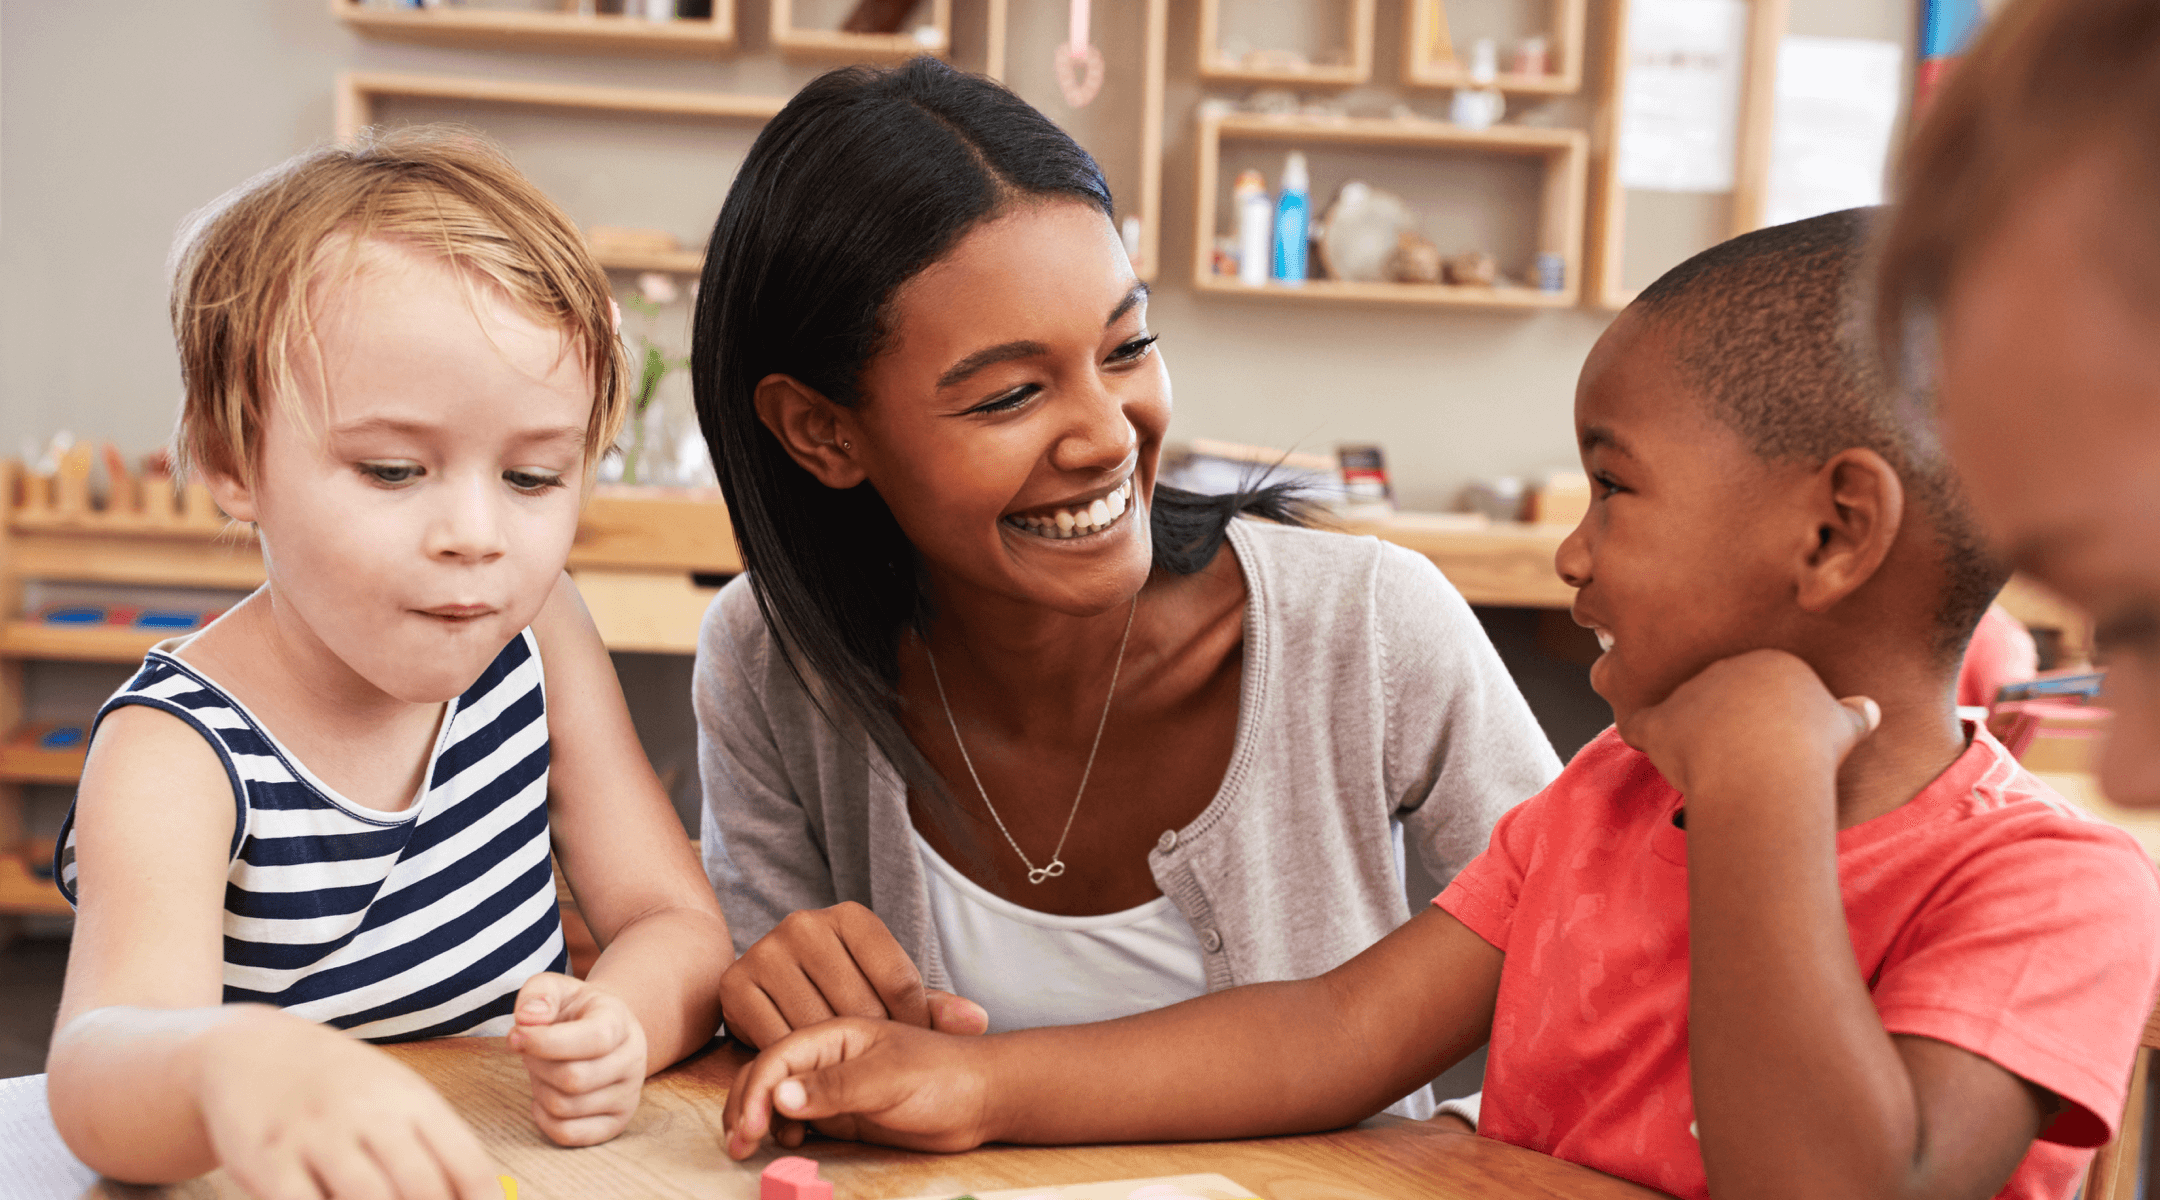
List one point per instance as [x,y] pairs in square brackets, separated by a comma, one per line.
[1014,421]
[2050,397]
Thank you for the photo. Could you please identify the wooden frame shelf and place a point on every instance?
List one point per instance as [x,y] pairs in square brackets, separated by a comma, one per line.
[488,29]
[1565,153]
[838,45]
[25,894]
[1213,68]
[23,760]
[1566,46]
[672,262]
[357,92]
[78,643]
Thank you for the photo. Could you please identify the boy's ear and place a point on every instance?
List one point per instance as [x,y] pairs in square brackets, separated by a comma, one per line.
[1860,508]
[235,496]
[816,433]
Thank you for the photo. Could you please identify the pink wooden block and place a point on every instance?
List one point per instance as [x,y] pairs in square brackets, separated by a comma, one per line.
[792,1178]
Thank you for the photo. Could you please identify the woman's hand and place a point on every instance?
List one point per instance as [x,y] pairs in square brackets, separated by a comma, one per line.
[818,964]
[299,1110]
[584,1051]
[873,1081]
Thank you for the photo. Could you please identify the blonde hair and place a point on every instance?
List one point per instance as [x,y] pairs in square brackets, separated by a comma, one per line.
[245,266]
[2045,81]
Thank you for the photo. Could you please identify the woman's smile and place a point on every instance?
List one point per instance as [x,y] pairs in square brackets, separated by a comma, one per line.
[1076,520]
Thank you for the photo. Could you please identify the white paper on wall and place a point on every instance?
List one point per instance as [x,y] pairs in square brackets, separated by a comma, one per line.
[1837,100]
[1680,112]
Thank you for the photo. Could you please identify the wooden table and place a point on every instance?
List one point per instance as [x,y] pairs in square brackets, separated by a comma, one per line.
[673,1149]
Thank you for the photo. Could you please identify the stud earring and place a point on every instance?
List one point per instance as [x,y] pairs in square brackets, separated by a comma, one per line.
[847,445]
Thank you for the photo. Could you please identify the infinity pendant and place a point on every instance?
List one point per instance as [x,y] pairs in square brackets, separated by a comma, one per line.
[1050,870]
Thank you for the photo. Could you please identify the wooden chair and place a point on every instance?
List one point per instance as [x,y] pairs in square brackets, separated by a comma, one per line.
[2114,1172]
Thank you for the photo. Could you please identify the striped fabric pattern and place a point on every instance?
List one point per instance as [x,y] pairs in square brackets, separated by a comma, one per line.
[393,926]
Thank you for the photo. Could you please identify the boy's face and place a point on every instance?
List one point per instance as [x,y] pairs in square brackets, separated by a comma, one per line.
[1676,564]
[2050,399]
[422,514]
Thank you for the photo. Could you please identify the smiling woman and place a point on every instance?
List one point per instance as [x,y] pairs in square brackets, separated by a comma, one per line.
[993,714]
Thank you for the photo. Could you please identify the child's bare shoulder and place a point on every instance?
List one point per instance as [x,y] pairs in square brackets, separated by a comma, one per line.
[144,757]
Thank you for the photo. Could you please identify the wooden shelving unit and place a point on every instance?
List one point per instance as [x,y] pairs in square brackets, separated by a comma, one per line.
[1563,152]
[1421,68]
[24,760]
[672,262]
[358,91]
[1214,67]
[490,29]
[836,45]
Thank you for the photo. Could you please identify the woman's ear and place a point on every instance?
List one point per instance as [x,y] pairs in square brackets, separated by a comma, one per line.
[1861,507]
[816,433]
[235,496]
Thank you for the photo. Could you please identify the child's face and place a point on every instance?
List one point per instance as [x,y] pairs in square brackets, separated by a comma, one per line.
[2050,398]
[420,518]
[1676,563]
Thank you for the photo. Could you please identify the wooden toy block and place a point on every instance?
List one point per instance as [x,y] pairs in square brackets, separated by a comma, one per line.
[792,1178]
[71,487]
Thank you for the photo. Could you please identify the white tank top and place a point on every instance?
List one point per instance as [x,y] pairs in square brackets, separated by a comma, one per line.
[1029,968]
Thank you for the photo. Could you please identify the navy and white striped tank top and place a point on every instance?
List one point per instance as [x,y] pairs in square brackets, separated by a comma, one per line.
[393,926]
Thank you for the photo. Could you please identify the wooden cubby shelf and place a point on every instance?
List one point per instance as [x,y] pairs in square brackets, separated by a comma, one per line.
[1564,50]
[359,90]
[23,893]
[672,262]
[1214,67]
[1564,152]
[77,643]
[23,760]
[491,29]
[841,46]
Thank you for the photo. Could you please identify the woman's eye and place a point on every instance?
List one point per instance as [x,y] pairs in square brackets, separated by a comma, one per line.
[533,482]
[391,474]
[1009,401]
[1135,350]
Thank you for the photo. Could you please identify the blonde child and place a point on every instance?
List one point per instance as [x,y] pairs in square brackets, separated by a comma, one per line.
[1757,941]
[325,820]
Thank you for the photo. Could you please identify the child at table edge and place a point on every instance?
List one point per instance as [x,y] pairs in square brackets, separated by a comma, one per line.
[1755,940]
[327,818]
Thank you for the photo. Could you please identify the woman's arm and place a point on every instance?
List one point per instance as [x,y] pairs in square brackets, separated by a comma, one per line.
[1265,1059]
[151,1079]
[637,882]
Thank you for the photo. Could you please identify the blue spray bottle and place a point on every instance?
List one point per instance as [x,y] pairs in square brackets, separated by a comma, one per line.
[1293,222]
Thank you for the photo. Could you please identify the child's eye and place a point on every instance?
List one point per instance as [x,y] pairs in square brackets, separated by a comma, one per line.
[1606,484]
[1009,401]
[532,483]
[1136,349]
[391,474]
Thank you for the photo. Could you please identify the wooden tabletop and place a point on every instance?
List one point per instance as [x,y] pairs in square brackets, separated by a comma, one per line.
[673,1149]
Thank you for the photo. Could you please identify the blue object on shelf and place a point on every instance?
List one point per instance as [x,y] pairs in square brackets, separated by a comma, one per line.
[154,619]
[1947,26]
[63,738]
[75,616]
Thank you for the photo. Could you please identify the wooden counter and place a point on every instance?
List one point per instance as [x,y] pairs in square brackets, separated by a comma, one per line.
[673,1149]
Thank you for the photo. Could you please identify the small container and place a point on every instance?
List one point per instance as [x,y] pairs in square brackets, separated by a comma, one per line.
[1255,216]
[1551,272]
[1293,222]
[1532,57]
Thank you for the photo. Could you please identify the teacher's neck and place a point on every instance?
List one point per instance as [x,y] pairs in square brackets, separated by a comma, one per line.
[1027,656]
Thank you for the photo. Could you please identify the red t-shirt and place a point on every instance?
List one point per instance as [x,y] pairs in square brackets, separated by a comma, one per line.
[1986,913]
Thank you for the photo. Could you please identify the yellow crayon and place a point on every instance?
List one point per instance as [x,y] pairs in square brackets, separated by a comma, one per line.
[509,1187]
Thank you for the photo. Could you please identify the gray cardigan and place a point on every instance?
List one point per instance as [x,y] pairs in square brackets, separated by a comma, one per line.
[1371,697]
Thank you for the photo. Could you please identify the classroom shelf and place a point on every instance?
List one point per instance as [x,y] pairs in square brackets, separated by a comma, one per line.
[1215,67]
[838,45]
[1444,294]
[23,893]
[357,92]
[1563,152]
[77,643]
[672,262]
[487,29]
[22,760]
[1423,67]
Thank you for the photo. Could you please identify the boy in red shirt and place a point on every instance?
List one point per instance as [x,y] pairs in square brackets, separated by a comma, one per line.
[1755,941]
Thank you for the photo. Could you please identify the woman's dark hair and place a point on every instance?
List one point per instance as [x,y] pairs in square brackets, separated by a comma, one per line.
[867,177]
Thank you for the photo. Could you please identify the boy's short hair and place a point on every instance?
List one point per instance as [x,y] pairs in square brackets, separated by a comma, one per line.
[1770,327]
[2045,81]
[245,266]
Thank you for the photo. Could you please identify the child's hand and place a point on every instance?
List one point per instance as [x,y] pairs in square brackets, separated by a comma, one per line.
[1746,718]
[293,1108]
[877,1081]
[585,1052]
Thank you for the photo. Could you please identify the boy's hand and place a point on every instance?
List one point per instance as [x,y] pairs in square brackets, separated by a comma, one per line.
[876,1081]
[585,1053]
[296,1109]
[841,961]
[1747,718]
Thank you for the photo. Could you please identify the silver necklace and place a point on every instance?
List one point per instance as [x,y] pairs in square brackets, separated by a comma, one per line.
[1056,866]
